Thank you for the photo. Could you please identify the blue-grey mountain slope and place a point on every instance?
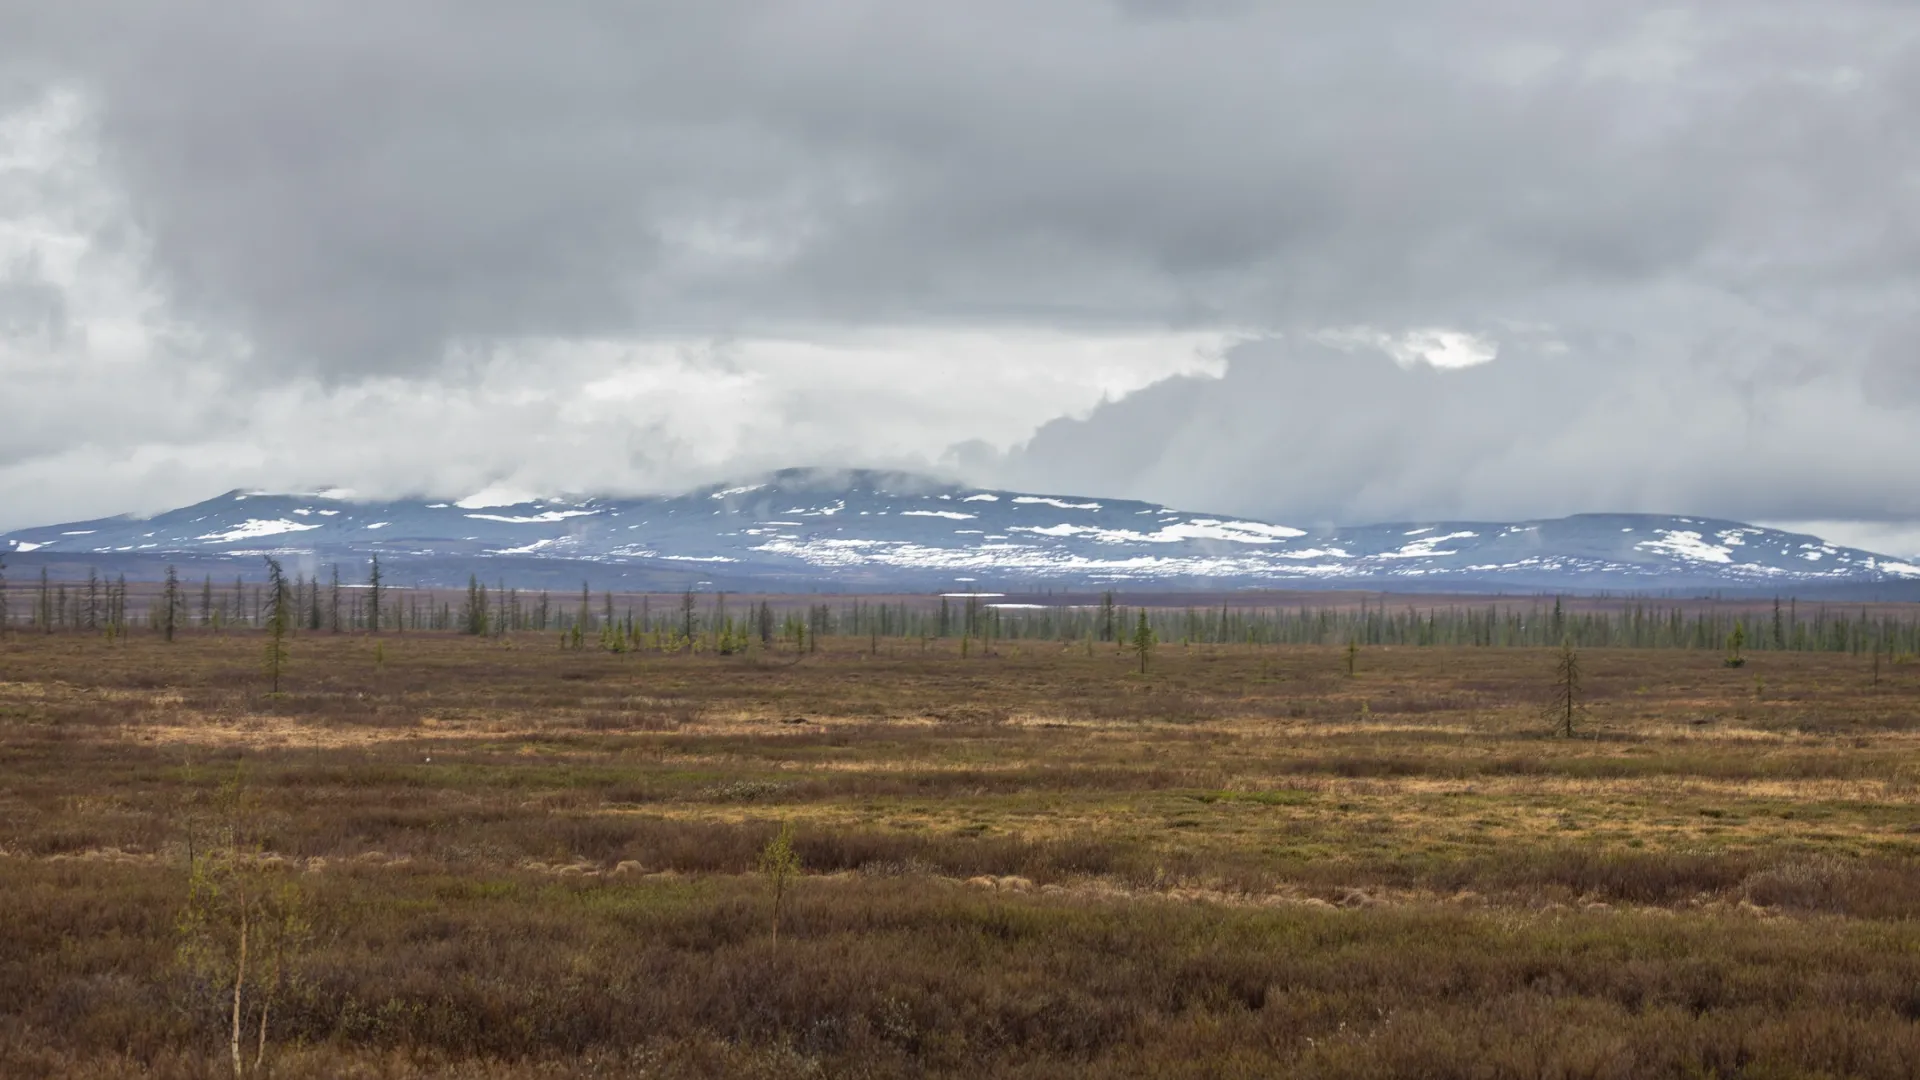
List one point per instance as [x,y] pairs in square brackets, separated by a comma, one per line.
[815,529]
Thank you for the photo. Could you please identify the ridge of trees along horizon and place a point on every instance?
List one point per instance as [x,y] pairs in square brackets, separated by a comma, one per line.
[707,621]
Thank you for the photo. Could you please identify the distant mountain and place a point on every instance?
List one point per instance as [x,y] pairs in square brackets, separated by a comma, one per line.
[803,529]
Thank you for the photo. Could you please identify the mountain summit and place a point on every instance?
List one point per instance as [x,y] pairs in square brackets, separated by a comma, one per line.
[803,529]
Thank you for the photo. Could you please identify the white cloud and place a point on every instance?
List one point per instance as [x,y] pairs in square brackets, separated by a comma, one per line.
[137,411]
[1433,346]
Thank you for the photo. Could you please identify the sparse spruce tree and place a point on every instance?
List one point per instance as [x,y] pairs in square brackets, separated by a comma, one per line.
[1143,640]
[373,595]
[1736,641]
[1565,704]
[93,599]
[333,601]
[473,615]
[279,619]
[6,616]
[170,599]
[206,601]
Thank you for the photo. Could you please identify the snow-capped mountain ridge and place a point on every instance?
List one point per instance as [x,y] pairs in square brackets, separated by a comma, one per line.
[813,528]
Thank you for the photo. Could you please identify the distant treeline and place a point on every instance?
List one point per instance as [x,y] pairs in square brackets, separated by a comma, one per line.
[622,622]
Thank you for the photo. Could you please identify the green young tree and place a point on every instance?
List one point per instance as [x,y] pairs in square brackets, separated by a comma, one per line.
[1736,641]
[245,924]
[1143,641]
[333,601]
[279,619]
[780,865]
[1353,656]
[1565,704]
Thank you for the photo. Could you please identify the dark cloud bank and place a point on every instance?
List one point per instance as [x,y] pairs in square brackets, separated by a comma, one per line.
[1690,234]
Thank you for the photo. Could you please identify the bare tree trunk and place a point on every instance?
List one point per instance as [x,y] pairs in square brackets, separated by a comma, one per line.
[239,982]
[266,1006]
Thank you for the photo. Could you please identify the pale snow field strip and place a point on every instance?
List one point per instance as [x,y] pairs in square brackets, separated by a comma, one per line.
[254,527]
[1017,557]
[736,491]
[1426,546]
[950,515]
[1058,504]
[529,549]
[982,497]
[1238,532]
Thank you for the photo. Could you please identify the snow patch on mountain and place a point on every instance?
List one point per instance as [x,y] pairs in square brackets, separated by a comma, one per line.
[803,530]
[253,528]
[1687,545]
[1058,504]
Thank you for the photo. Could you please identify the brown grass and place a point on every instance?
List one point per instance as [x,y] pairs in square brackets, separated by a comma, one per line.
[529,862]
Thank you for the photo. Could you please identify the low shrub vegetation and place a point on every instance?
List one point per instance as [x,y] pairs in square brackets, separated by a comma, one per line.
[483,856]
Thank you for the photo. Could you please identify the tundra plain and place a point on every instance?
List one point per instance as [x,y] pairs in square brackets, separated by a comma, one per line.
[512,859]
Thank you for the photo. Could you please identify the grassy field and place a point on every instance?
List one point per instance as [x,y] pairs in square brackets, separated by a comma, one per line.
[510,860]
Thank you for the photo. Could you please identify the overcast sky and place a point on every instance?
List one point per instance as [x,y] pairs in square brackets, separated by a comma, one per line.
[1316,262]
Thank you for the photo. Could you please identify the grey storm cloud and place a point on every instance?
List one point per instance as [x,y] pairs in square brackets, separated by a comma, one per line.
[359,186]
[1317,434]
[1680,226]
